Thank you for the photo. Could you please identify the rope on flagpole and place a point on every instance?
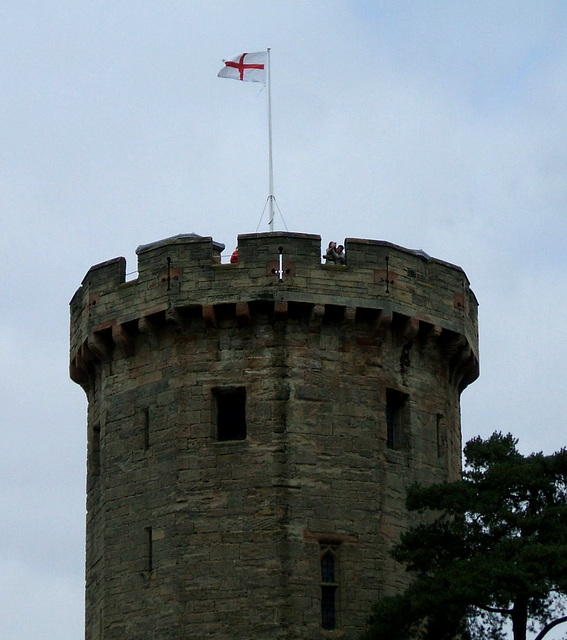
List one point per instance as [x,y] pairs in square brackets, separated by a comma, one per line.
[279,211]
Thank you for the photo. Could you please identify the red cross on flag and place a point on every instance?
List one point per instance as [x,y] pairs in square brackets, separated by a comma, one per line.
[248,67]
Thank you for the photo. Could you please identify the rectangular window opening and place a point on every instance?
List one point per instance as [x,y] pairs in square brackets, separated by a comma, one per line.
[230,413]
[396,418]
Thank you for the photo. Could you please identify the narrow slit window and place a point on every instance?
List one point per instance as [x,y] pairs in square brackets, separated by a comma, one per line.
[230,413]
[329,587]
[149,549]
[441,436]
[95,450]
[145,416]
[396,419]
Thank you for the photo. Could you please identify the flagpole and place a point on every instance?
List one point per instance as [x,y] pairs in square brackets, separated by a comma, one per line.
[270,163]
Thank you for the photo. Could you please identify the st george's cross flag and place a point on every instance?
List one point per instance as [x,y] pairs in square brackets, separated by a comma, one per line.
[248,67]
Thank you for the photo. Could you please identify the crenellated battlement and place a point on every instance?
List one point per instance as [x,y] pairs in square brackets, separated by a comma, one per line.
[184,274]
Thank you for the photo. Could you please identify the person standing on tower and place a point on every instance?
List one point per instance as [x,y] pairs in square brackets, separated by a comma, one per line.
[331,256]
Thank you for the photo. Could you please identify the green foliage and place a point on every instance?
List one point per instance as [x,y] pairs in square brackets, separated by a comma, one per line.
[493,547]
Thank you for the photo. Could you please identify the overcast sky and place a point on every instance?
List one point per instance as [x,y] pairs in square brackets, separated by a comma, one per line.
[434,125]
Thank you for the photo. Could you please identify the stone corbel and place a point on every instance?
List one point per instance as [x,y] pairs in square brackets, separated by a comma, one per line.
[172,315]
[146,326]
[209,316]
[382,324]
[410,329]
[350,315]
[78,370]
[100,346]
[316,319]
[123,339]
[280,310]
[243,318]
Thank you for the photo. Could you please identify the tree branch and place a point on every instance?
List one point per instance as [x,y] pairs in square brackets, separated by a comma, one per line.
[504,612]
[550,626]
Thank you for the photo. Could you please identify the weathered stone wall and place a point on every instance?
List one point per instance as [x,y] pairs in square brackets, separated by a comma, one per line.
[192,537]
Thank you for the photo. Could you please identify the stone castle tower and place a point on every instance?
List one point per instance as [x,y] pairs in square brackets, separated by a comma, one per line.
[252,429]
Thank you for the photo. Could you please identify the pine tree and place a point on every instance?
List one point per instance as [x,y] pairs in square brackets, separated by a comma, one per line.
[493,549]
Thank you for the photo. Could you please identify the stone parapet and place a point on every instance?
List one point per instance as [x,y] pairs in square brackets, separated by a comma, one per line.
[183,274]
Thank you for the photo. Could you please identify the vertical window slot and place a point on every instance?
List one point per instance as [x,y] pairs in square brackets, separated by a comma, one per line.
[396,419]
[329,587]
[441,435]
[230,413]
[149,549]
[146,427]
[95,450]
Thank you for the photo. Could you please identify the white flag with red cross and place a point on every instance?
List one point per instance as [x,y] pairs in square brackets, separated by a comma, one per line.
[247,67]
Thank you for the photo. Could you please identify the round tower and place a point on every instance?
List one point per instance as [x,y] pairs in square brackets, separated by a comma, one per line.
[253,427]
